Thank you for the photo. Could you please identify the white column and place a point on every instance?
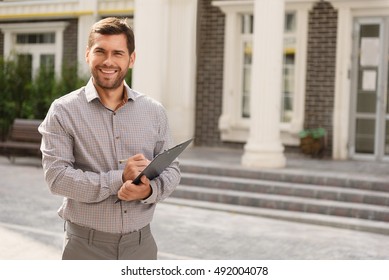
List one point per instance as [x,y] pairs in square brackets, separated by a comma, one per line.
[264,148]
[179,96]
[165,64]
[149,73]
[85,23]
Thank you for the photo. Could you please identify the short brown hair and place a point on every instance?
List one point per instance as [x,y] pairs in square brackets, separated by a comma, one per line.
[113,26]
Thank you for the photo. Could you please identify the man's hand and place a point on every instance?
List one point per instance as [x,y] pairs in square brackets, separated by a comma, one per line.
[134,165]
[130,192]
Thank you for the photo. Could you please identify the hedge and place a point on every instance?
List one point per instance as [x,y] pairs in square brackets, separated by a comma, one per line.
[22,96]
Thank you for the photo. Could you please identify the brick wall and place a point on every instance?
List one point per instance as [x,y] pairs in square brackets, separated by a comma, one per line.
[210,51]
[321,60]
[70,42]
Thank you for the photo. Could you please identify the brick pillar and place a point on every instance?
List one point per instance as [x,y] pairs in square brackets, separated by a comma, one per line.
[321,64]
[209,85]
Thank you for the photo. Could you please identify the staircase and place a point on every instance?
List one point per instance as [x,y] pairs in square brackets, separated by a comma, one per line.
[330,199]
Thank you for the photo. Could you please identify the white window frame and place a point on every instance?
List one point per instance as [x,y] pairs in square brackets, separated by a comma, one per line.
[233,127]
[10,45]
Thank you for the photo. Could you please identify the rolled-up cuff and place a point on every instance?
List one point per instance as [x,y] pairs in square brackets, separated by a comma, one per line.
[153,197]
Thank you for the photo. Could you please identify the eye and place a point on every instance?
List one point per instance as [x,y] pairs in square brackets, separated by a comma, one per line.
[119,54]
[99,51]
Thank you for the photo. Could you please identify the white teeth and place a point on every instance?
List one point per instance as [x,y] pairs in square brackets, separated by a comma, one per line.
[108,71]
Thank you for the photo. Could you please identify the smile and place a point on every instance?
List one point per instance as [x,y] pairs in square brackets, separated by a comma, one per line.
[108,71]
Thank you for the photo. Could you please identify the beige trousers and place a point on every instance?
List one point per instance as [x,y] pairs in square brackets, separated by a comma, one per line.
[87,244]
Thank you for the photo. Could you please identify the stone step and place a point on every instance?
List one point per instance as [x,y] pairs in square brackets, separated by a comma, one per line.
[292,216]
[286,189]
[322,178]
[284,202]
[345,194]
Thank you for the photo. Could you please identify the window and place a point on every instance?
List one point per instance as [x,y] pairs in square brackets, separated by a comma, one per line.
[41,41]
[247,31]
[288,65]
[288,77]
[234,122]
[40,46]
[39,38]
[47,63]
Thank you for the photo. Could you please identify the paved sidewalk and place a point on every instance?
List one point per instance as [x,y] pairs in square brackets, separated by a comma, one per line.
[189,233]
[17,246]
[185,233]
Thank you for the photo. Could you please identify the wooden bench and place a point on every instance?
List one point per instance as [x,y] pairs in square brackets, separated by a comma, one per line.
[23,139]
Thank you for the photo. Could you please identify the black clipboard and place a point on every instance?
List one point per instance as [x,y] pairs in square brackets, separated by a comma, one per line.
[161,162]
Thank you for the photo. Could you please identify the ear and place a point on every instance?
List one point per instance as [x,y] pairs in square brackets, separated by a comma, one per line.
[87,54]
[132,59]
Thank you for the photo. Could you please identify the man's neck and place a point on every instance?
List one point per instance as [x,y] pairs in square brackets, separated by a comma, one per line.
[111,98]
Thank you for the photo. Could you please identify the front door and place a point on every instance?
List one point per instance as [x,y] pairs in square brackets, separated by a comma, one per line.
[369,128]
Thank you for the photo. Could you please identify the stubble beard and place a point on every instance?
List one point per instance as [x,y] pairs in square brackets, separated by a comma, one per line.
[108,84]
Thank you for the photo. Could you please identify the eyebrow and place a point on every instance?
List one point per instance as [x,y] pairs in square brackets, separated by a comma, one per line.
[115,51]
[119,51]
[99,49]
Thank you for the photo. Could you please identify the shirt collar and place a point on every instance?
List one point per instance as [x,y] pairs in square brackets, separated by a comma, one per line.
[91,92]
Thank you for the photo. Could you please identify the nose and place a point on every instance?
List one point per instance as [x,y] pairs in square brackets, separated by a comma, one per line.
[108,60]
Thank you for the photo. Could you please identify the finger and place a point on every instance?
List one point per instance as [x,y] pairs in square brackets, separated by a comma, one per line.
[140,162]
[121,195]
[138,157]
[125,191]
[144,180]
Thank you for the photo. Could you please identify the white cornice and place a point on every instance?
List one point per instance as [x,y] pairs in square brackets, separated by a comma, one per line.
[33,27]
[63,8]
[248,5]
[226,5]
[360,4]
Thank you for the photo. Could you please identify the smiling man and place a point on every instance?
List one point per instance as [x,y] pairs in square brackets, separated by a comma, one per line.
[85,135]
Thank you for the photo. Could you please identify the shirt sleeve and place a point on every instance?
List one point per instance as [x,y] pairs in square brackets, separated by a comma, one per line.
[58,165]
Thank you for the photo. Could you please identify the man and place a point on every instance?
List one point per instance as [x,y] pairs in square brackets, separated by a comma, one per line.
[86,134]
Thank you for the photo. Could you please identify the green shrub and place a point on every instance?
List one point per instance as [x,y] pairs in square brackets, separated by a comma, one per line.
[315,133]
[24,97]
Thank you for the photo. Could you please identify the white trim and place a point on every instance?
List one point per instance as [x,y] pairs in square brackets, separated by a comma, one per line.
[32,27]
[359,4]
[63,8]
[224,4]
[342,85]
[232,127]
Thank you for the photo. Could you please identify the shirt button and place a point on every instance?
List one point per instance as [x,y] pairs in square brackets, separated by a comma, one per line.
[117,137]
[125,211]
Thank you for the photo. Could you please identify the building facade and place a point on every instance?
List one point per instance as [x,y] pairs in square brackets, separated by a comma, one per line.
[335,74]
[223,81]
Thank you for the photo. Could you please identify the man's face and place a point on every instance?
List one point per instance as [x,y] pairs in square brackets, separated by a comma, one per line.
[109,60]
